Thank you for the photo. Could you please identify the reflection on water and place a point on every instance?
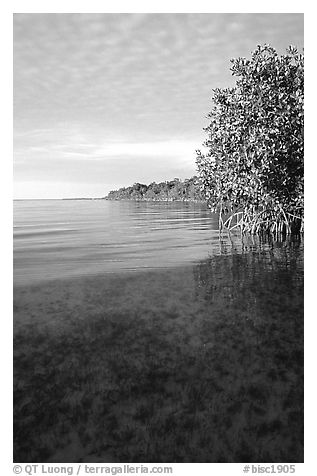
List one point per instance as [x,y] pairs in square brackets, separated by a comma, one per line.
[255,345]
[58,239]
[246,261]
[55,238]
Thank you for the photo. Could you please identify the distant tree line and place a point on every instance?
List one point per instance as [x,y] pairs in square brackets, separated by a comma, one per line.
[173,190]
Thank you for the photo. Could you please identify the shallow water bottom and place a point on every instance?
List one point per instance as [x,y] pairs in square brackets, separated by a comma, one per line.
[194,364]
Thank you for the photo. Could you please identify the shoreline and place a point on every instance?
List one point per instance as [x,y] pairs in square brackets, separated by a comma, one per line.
[151,200]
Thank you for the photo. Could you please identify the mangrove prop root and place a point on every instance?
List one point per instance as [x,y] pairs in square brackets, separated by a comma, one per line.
[263,221]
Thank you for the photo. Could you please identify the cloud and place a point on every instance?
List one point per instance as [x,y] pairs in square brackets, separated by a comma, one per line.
[113,88]
[77,157]
[88,159]
[147,149]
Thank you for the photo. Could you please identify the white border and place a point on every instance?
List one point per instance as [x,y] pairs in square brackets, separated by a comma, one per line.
[163,6]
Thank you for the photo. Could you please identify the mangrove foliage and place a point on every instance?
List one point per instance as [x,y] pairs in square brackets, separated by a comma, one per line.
[252,171]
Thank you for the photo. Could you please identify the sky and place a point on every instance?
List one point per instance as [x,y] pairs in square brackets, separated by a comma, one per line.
[103,101]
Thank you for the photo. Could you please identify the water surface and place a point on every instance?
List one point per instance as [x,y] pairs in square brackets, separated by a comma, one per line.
[171,345]
[59,238]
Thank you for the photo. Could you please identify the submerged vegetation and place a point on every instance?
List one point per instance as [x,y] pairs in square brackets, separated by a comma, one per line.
[253,170]
[200,364]
[173,190]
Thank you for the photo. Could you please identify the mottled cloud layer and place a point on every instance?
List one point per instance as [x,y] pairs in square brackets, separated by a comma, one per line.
[103,100]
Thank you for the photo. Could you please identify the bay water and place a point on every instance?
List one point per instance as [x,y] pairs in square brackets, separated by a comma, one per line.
[142,335]
[62,238]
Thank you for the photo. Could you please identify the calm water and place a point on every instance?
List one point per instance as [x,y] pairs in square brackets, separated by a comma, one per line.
[57,238]
[199,359]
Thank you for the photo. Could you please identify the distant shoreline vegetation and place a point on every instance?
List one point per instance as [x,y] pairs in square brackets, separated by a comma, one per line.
[188,190]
